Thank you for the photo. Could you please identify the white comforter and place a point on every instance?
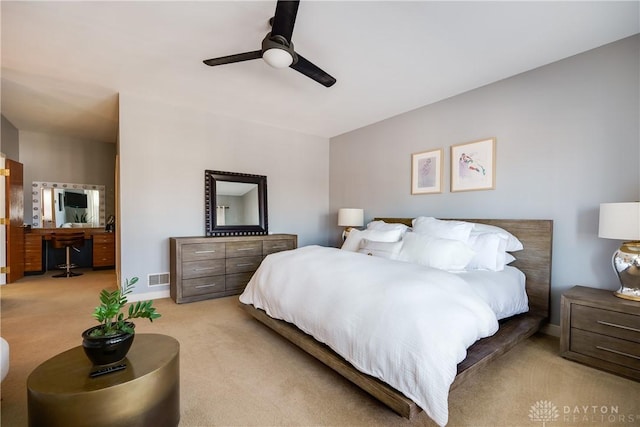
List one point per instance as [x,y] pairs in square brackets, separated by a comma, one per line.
[405,324]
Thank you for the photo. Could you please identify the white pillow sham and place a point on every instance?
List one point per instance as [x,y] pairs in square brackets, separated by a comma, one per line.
[388,250]
[385,226]
[490,252]
[352,242]
[512,242]
[445,254]
[444,229]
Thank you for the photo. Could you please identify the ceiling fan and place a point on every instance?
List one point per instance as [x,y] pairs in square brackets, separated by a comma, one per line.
[277,48]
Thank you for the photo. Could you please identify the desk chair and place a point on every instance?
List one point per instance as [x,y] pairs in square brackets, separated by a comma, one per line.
[68,241]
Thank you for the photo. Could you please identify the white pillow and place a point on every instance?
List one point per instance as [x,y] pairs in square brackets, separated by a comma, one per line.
[385,226]
[490,252]
[512,245]
[445,254]
[388,250]
[444,229]
[352,242]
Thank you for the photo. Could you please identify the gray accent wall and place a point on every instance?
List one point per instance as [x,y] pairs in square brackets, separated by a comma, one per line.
[567,140]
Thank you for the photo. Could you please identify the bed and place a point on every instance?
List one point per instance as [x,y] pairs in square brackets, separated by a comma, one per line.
[534,260]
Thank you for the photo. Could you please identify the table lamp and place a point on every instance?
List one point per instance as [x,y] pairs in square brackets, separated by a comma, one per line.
[621,221]
[349,218]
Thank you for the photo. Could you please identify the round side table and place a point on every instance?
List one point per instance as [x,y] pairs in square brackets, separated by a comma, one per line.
[146,393]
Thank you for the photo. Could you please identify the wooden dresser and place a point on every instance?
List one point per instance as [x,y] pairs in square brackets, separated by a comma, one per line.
[601,330]
[213,267]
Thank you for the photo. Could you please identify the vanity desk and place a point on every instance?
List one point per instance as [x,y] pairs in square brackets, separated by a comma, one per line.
[37,252]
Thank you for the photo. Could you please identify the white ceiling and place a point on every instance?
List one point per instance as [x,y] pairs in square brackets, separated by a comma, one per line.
[64,63]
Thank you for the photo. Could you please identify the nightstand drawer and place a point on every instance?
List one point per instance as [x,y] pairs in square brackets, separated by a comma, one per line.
[622,352]
[606,322]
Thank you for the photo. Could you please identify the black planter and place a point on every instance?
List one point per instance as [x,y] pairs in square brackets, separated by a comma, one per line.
[106,350]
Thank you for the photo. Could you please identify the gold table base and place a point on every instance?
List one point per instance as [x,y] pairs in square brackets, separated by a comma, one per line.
[146,393]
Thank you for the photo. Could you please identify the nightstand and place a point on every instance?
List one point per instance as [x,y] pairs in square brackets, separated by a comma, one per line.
[601,330]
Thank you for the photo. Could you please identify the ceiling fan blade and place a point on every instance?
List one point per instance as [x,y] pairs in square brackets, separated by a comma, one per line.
[285,18]
[312,71]
[256,54]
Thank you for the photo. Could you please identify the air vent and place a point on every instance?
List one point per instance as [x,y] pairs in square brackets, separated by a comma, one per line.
[158,279]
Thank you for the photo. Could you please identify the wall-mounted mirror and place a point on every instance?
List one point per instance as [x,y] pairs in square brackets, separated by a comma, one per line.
[57,204]
[235,204]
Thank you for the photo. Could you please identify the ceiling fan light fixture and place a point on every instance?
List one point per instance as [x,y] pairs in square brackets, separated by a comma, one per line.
[277,58]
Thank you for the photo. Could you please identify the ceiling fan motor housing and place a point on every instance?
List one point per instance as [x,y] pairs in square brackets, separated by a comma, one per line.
[278,52]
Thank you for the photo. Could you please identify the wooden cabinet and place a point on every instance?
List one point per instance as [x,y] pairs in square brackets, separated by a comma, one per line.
[33,253]
[213,267]
[601,330]
[104,250]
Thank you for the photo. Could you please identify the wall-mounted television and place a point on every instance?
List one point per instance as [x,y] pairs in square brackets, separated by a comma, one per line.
[75,200]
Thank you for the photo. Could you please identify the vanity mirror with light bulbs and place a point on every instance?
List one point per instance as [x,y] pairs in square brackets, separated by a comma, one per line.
[62,208]
[67,205]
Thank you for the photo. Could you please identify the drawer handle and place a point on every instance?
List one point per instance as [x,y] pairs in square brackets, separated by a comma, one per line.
[629,328]
[246,264]
[206,252]
[279,247]
[204,269]
[207,286]
[618,352]
[245,249]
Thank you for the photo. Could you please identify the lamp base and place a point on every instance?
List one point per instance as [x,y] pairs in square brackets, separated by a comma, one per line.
[626,263]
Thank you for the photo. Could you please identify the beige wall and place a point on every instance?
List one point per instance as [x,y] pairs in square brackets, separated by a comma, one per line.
[164,151]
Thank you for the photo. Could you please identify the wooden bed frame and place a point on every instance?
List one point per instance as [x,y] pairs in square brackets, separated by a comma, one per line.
[534,260]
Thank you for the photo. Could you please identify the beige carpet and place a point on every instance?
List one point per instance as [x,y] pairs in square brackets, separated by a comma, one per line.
[236,372]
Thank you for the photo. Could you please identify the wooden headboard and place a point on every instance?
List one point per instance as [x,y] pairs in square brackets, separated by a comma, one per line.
[534,260]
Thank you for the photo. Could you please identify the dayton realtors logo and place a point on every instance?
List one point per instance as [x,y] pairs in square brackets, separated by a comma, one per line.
[545,411]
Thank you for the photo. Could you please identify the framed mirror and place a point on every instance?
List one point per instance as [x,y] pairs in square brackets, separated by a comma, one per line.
[235,204]
[61,204]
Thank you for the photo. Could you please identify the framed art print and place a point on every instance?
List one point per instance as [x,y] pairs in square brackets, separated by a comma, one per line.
[426,172]
[473,165]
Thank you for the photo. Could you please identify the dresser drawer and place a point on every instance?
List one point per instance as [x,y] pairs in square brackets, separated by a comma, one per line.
[193,269]
[606,322]
[615,350]
[103,238]
[202,251]
[243,264]
[273,246]
[244,249]
[237,282]
[203,286]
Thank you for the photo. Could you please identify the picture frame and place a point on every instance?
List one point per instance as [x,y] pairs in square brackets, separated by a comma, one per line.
[473,165]
[426,172]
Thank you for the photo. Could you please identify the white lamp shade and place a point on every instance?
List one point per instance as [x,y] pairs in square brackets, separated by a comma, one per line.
[277,58]
[620,221]
[348,217]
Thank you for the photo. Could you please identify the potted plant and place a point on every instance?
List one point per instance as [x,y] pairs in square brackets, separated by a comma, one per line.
[110,341]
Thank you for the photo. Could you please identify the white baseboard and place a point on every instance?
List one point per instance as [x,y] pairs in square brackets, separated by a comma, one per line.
[551,329]
[148,295]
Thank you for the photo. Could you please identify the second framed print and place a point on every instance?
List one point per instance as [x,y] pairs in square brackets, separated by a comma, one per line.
[473,165]
[426,172]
